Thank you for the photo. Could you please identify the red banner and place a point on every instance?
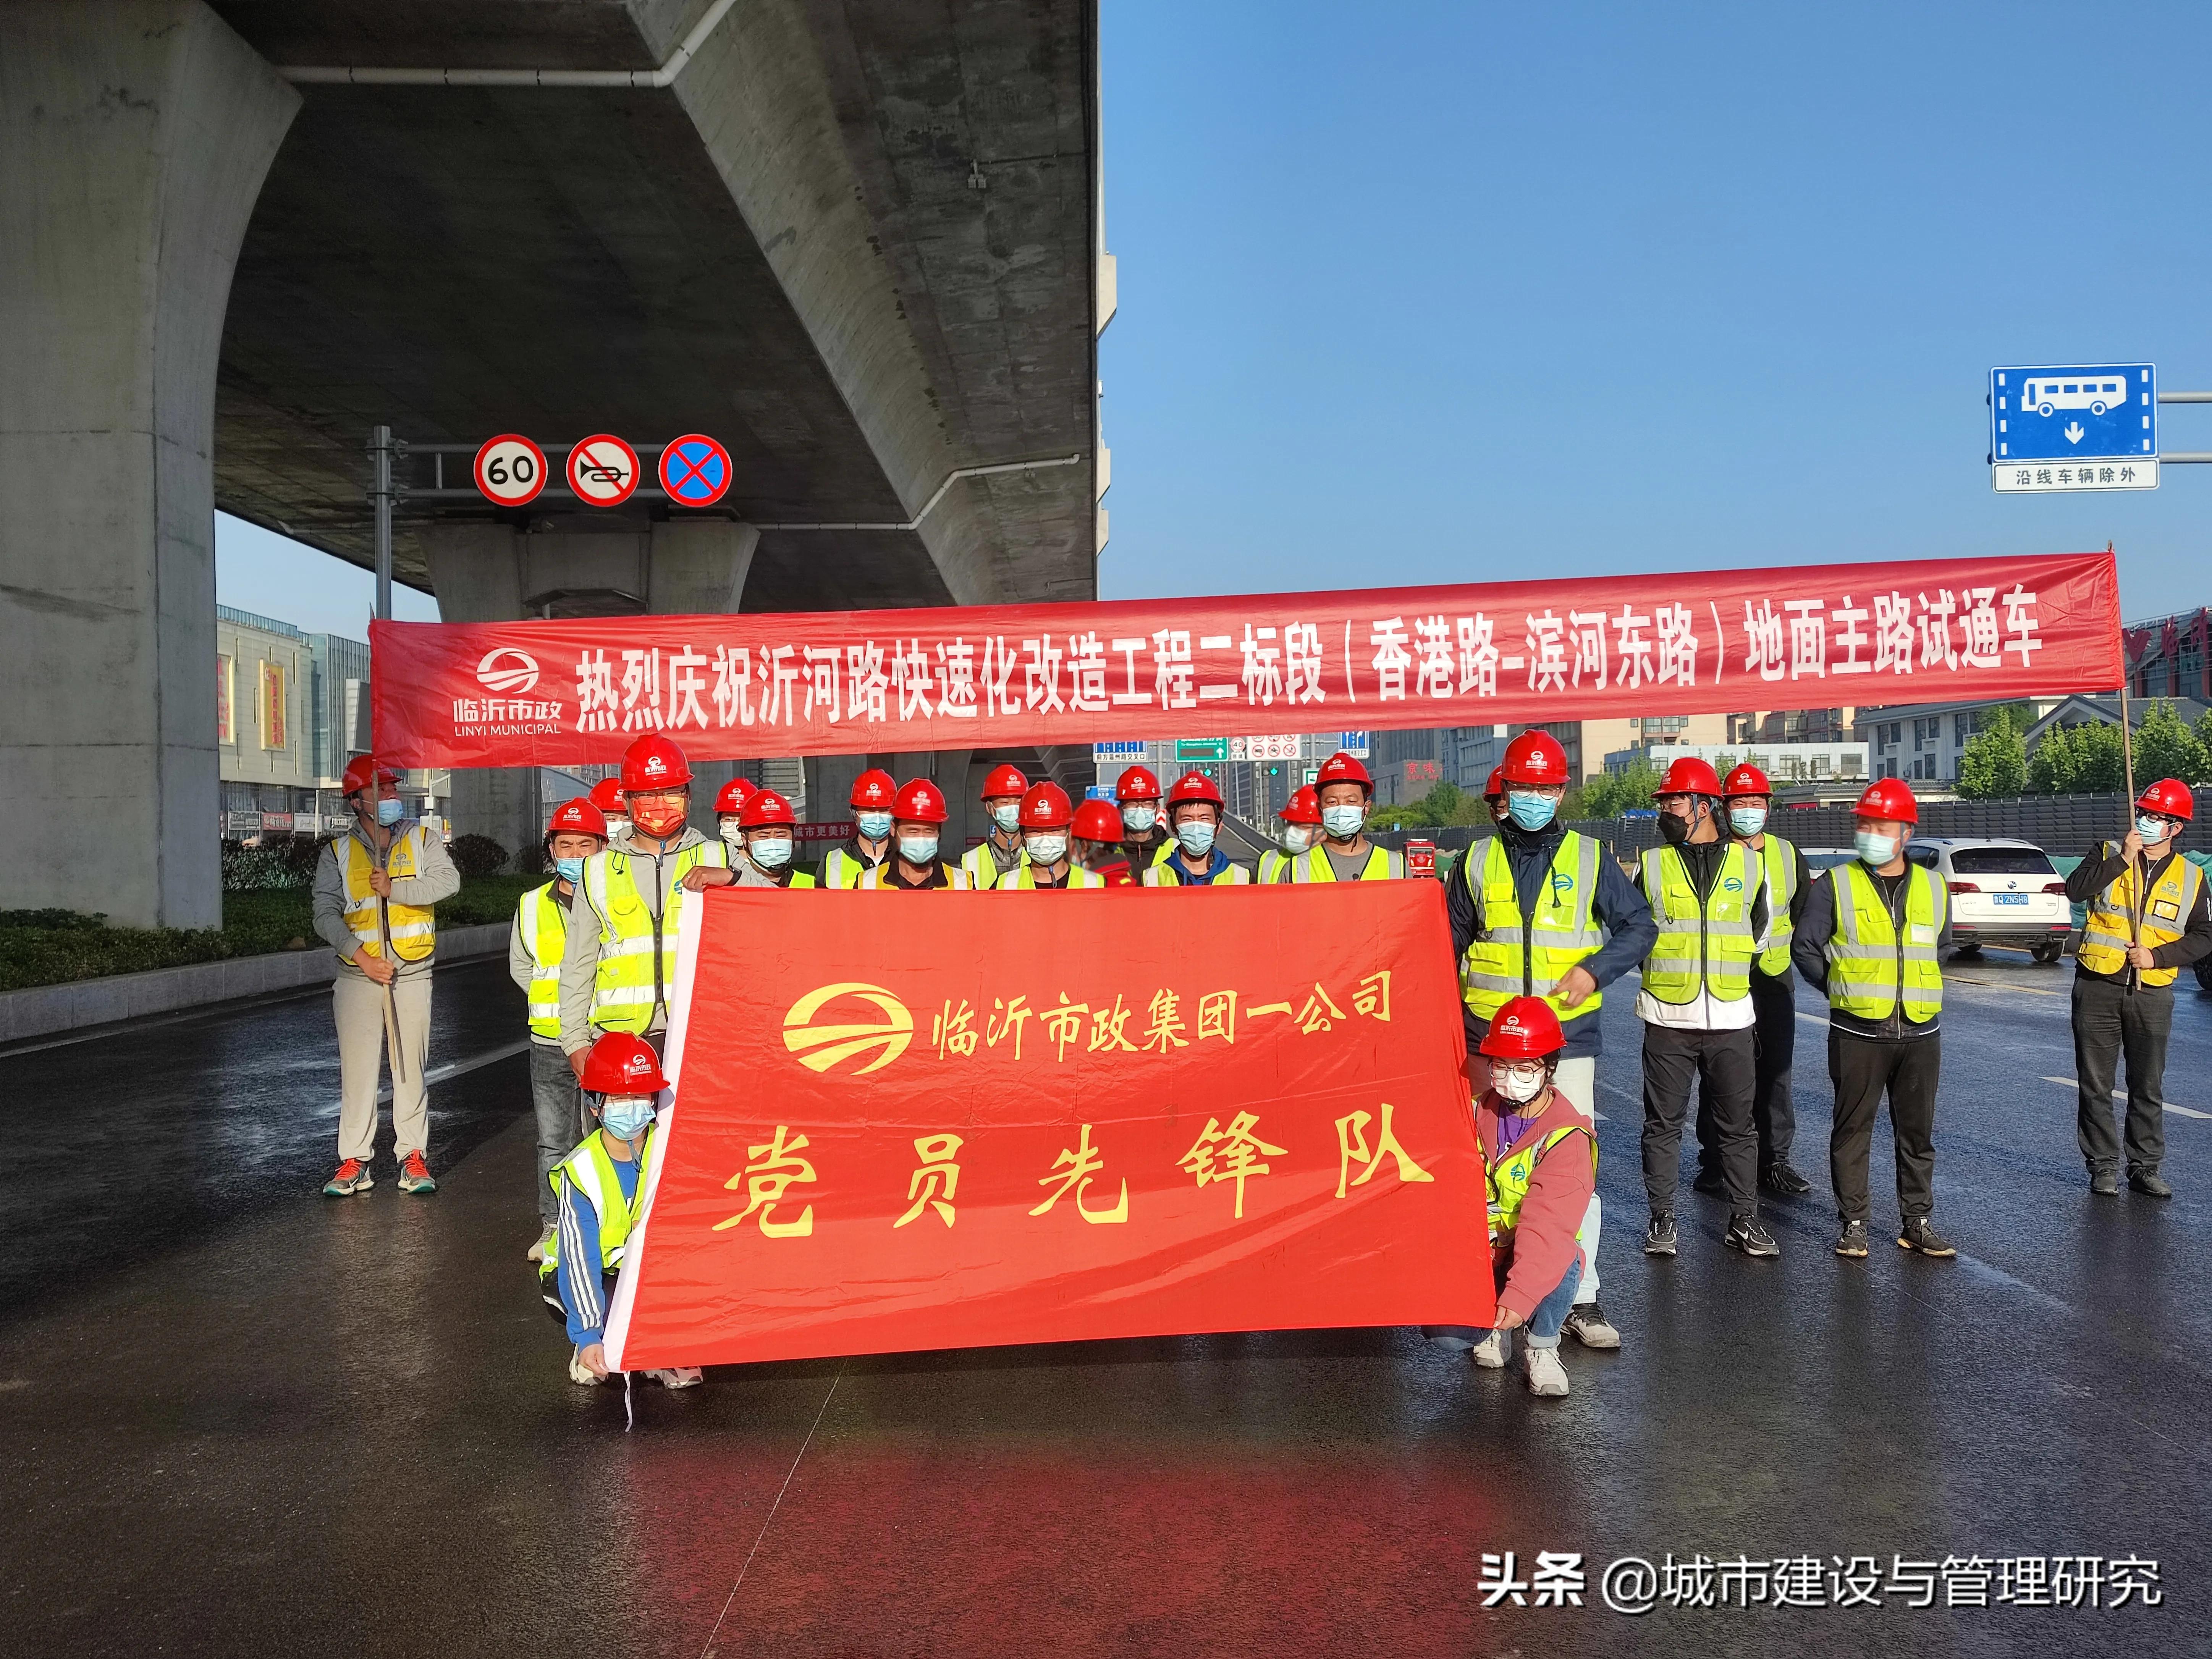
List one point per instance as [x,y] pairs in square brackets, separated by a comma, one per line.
[985,676]
[1020,1119]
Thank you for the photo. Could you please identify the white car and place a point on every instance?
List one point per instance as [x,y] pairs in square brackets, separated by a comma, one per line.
[2003,892]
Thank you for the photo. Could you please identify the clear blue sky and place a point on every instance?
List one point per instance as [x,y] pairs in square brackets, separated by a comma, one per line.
[1419,294]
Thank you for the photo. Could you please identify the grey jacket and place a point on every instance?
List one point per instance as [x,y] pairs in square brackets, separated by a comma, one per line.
[655,874]
[438,880]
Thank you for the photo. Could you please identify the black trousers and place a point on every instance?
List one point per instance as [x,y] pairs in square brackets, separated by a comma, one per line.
[1862,1069]
[2110,1019]
[1774,1001]
[1674,1061]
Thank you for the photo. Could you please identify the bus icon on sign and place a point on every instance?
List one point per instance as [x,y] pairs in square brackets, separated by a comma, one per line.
[2047,396]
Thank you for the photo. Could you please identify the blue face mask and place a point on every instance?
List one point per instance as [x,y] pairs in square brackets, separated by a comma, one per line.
[389,810]
[1746,820]
[571,870]
[627,1116]
[1343,821]
[1529,811]
[770,854]
[1875,850]
[874,825]
[1196,836]
[2153,828]
[917,849]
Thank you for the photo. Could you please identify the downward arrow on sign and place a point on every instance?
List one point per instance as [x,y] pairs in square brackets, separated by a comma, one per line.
[2073,433]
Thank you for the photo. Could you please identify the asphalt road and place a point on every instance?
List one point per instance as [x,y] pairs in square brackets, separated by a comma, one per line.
[238,1418]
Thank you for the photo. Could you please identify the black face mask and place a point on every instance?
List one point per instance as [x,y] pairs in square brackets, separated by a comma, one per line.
[1674,830]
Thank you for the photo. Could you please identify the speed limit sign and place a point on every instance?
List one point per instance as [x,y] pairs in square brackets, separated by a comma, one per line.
[510,469]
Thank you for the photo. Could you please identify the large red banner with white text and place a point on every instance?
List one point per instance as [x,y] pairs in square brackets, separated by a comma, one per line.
[1019,1118]
[984,677]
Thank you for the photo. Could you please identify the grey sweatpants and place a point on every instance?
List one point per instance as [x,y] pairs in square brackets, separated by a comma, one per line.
[559,1100]
[358,1006]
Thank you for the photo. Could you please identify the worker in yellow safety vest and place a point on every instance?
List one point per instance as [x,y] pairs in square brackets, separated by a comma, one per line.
[1045,819]
[918,816]
[1301,827]
[1145,837]
[845,863]
[1194,811]
[373,890]
[1098,843]
[999,854]
[2149,917]
[763,857]
[535,948]
[1344,792]
[1870,938]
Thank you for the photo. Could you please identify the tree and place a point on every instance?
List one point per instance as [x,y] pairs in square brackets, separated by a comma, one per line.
[1994,762]
[2166,748]
[1611,794]
[2077,760]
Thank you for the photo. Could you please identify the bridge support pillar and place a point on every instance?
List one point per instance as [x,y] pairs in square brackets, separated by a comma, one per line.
[137,134]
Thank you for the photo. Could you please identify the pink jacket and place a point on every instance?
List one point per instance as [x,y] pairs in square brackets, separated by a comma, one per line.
[1539,1252]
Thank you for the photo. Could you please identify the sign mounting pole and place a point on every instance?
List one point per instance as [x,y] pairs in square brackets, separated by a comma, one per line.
[379,492]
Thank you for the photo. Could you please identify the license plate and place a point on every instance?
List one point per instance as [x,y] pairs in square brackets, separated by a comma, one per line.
[2010,898]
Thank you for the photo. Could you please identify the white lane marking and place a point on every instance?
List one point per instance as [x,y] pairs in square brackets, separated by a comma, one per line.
[454,1068]
[1812,1019]
[1982,1270]
[2186,1111]
[2001,985]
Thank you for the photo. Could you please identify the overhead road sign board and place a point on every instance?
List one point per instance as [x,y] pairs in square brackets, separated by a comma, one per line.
[695,471]
[603,470]
[1358,745]
[1118,753]
[1201,748]
[510,469]
[2082,427]
[1276,747]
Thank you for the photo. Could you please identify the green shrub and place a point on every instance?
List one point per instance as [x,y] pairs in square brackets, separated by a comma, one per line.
[476,855]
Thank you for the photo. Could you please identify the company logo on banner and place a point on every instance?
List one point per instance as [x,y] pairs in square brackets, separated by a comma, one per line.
[1267,1130]
[507,670]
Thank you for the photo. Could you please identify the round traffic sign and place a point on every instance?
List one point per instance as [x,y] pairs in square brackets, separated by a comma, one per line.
[695,470]
[603,470]
[510,469]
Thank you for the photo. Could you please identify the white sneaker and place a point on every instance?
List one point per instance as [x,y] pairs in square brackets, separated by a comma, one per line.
[537,1252]
[1546,1377]
[1493,1352]
[579,1372]
[684,1376]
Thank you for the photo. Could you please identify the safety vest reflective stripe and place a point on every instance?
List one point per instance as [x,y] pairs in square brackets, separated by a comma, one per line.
[955,879]
[841,869]
[591,1170]
[1158,875]
[2166,908]
[413,927]
[1782,869]
[1382,863]
[1024,880]
[1703,944]
[1510,1177]
[637,950]
[1869,966]
[1517,955]
[543,924]
[980,865]
[1274,864]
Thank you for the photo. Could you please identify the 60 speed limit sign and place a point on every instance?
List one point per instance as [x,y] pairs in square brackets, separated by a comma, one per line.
[510,469]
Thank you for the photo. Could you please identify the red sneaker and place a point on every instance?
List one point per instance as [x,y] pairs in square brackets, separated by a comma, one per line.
[415,1174]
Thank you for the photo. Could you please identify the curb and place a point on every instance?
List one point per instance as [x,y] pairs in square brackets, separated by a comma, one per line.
[44,1010]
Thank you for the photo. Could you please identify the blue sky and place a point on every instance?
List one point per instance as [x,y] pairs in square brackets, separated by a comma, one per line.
[1415,294]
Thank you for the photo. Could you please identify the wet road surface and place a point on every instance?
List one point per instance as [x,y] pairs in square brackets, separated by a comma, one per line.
[238,1418]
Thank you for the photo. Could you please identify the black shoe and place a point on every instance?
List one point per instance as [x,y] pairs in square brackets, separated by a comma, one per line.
[1779,1177]
[1853,1241]
[2105,1183]
[1918,1233]
[2150,1183]
[1745,1234]
[1659,1236]
[1710,1181]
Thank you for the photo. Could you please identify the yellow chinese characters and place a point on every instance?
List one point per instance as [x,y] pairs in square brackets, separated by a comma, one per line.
[937,1180]
[1083,1161]
[776,1167]
[1351,1143]
[1230,1154]
[953,1032]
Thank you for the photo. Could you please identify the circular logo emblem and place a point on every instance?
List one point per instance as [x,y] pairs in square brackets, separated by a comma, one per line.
[822,1048]
[506,669]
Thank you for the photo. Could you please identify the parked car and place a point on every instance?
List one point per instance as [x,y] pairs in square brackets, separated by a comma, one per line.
[2003,892]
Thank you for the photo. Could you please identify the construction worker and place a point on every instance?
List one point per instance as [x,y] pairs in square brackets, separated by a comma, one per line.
[1493,792]
[373,890]
[1046,816]
[1869,938]
[770,832]
[999,851]
[1540,1160]
[1749,797]
[1538,910]
[1708,895]
[1195,809]
[599,1190]
[918,817]
[844,865]
[729,805]
[2149,917]
[1344,792]
[619,972]
[607,796]
[1301,822]
[535,949]
[1144,838]
[1098,843]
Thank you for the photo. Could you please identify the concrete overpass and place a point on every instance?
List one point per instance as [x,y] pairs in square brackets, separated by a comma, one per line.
[859,240]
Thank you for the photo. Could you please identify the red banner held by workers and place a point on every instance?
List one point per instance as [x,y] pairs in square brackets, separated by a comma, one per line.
[1021,1119]
[982,676]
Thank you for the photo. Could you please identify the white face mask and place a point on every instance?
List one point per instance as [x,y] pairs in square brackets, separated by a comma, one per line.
[770,854]
[617,827]
[1517,1084]
[1343,821]
[1138,818]
[1046,849]
[1006,814]
[1297,838]
[732,834]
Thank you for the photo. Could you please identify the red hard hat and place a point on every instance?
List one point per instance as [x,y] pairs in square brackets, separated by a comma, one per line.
[1005,781]
[1496,786]
[1888,798]
[1194,786]
[763,808]
[734,795]
[579,817]
[2170,797]
[1097,820]
[1536,758]
[1045,807]
[607,796]
[1137,784]
[1747,779]
[874,789]
[622,1063]
[654,761]
[1341,767]
[359,771]
[1690,775]
[1524,1029]
[1302,807]
[919,801]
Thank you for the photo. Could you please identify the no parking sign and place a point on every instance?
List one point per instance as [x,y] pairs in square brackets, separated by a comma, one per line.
[695,470]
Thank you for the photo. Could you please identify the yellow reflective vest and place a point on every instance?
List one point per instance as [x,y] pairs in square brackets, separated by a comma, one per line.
[591,1170]
[1023,879]
[1382,864]
[1157,874]
[980,865]
[1871,964]
[414,926]
[1782,869]
[843,866]
[2166,906]
[877,880]
[637,949]
[541,921]
[1516,955]
[1510,1177]
[1703,944]
[1274,865]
